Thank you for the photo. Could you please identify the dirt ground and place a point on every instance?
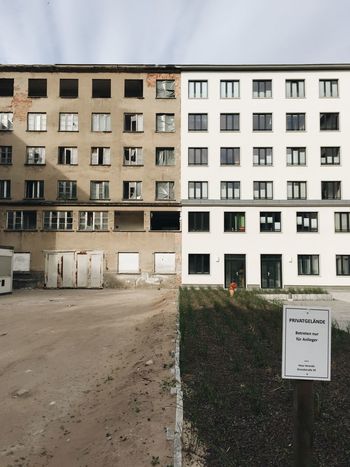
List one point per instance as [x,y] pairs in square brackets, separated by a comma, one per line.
[85,378]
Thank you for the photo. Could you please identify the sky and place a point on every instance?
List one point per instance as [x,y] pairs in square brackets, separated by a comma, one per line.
[174,31]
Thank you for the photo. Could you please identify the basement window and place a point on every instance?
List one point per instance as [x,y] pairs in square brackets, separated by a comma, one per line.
[101,88]
[6,87]
[131,221]
[69,88]
[37,87]
[165,220]
[133,88]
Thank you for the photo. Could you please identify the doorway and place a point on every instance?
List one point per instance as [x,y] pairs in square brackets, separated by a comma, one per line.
[235,270]
[271,271]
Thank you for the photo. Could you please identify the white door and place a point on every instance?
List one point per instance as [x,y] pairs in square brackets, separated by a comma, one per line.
[82,269]
[96,270]
[68,270]
[51,270]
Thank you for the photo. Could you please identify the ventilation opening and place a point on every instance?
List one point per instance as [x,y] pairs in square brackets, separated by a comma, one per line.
[133,88]
[165,220]
[101,88]
[6,87]
[69,88]
[129,220]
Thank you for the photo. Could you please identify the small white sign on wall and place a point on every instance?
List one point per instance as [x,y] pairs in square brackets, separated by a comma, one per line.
[306,343]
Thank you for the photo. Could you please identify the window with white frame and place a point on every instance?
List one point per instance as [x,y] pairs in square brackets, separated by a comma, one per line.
[307,221]
[58,220]
[342,221]
[197,156]
[67,155]
[164,263]
[67,189]
[133,156]
[165,123]
[262,156]
[296,190]
[296,156]
[262,88]
[99,190]
[308,265]
[5,189]
[343,265]
[165,89]
[69,122]
[197,89]
[34,189]
[37,121]
[197,190]
[6,121]
[270,221]
[128,263]
[328,87]
[295,88]
[230,190]
[133,122]
[21,220]
[101,122]
[100,156]
[229,89]
[93,220]
[35,155]
[5,155]
[263,190]
[132,190]
[165,191]
[330,155]
[165,156]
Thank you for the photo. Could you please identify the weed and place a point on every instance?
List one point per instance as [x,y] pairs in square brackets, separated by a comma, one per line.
[155,460]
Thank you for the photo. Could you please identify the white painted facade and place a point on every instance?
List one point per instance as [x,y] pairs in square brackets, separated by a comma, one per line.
[252,243]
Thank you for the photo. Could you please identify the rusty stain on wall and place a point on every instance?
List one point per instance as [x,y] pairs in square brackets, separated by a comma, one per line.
[21,104]
[152,78]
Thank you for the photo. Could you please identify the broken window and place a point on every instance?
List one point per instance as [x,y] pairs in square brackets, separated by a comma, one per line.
[67,189]
[37,87]
[100,156]
[165,89]
[132,190]
[165,156]
[133,88]
[93,220]
[133,122]
[129,220]
[165,220]
[165,123]
[69,88]
[99,190]
[101,122]
[5,155]
[58,220]
[67,156]
[5,189]
[165,191]
[37,121]
[34,189]
[6,121]
[21,220]
[101,88]
[133,156]
[6,87]
[69,122]
[35,155]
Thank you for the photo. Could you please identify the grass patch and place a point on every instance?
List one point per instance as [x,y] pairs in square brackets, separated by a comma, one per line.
[234,398]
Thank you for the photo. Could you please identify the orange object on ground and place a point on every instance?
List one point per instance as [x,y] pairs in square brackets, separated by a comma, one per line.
[232,288]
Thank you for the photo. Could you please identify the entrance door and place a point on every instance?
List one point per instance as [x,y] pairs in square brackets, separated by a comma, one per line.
[235,270]
[271,271]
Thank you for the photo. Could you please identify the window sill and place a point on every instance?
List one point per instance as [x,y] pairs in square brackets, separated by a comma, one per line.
[30,165]
[128,230]
[99,165]
[166,200]
[133,97]
[100,199]
[164,230]
[36,131]
[6,130]
[132,199]
[165,98]
[73,165]
[167,132]
[34,199]
[69,97]
[57,230]
[66,199]
[130,131]
[68,131]
[37,97]
[101,131]
[7,164]
[20,230]
[92,230]
[133,165]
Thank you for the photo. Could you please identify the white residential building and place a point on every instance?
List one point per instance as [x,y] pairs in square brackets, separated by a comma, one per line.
[265,175]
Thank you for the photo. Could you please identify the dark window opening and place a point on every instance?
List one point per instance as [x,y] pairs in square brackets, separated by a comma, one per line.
[69,88]
[37,87]
[101,88]
[165,220]
[6,87]
[198,221]
[129,220]
[199,264]
[133,88]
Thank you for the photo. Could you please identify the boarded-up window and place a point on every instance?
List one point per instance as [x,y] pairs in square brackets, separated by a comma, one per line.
[21,262]
[128,263]
[164,263]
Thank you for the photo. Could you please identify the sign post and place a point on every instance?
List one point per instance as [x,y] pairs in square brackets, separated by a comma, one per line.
[306,356]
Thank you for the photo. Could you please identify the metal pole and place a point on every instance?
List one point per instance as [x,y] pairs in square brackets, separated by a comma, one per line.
[304,423]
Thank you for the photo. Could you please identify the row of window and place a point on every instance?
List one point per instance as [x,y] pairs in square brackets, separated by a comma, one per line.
[261,88]
[329,121]
[263,190]
[99,190]
[100,88]
[270,221]
[36,155]
[308,265]
[330,155]
[100,122]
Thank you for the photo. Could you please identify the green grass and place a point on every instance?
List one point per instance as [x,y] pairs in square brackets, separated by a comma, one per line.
[234,398]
